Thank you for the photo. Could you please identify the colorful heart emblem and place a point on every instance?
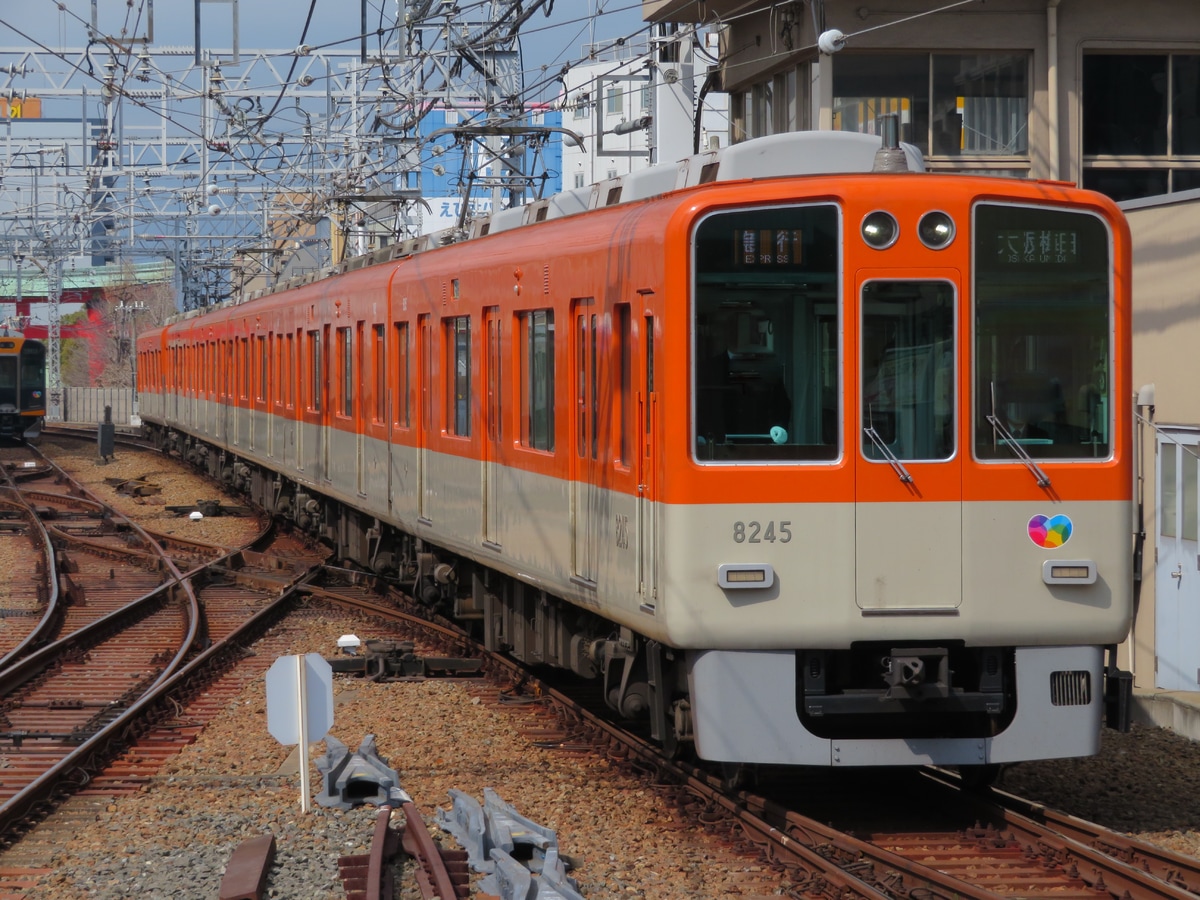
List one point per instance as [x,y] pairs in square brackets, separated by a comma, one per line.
[1050,531]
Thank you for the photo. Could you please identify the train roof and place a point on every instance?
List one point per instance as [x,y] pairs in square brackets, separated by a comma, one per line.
[792,153]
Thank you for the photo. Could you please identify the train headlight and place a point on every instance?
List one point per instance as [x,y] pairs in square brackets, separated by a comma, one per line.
[880,230]
[740,576]
[936,230]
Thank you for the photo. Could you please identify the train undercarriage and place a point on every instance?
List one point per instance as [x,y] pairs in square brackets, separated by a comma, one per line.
[869,692]
[641,679]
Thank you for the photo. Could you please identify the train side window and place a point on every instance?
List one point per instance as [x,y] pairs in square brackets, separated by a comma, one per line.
[403,376]
[537,379]
[458,375]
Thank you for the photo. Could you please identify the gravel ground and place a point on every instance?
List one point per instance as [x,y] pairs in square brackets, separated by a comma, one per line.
[1145,783]
[178,485]
[172,840]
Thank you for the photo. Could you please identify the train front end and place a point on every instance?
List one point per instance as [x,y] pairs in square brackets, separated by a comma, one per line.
[902,531]
[22,387]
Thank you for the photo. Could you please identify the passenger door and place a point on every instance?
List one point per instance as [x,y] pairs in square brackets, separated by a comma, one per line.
[647,507]
[908,470]
[491,425]
[424,412]
[1177,572]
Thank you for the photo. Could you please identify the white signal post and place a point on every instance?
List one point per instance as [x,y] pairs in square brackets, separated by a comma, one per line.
[300,707]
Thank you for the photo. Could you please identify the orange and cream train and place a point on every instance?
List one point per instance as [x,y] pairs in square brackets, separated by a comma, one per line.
[809,463]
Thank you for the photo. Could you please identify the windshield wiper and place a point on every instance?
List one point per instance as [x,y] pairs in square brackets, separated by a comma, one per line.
[1014,444]
[892,459]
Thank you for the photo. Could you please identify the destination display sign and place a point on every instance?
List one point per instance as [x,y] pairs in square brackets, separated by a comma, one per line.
[768,247]
[1046,247]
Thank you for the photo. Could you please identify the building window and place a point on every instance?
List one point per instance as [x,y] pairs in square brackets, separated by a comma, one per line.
[579,179]
[458,370]
[537,380]
[1141,123]
[961,106]
[583,105]
[614,103]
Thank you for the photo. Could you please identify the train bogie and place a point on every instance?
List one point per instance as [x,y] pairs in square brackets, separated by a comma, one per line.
[811,456]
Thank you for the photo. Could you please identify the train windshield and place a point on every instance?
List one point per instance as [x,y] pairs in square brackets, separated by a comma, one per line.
[1043,342]
[766,375]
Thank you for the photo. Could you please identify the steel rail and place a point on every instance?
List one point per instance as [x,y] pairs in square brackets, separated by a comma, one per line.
[53,612]
[1117,855]
[92,754]
[433,878]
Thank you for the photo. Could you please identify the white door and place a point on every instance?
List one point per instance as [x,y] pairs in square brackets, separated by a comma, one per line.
[1177,572]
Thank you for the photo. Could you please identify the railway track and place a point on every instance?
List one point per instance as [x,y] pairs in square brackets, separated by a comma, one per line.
[993,844]
[127,624]
[943,839]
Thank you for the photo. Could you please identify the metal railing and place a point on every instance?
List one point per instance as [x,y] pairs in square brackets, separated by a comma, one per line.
[85,406]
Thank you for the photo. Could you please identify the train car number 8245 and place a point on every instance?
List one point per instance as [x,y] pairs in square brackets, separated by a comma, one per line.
[758,532]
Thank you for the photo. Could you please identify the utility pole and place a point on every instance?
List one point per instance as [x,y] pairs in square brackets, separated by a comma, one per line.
[128,312]
[54,410]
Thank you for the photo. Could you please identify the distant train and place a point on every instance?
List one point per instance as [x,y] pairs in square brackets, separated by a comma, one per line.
[810,464]
[22,386]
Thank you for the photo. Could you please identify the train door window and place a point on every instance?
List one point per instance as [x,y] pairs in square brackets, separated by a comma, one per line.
[346,364]
[625,373]
[649,344]
[276,355]
[244,367]
[289,350]
[492,373]
[537,380]
[765,335]
[1043,325]
[908,370]
[379,361]
[314,370]
[262,368]
[588,406]
[403,376]
[458,371]
[425,327]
